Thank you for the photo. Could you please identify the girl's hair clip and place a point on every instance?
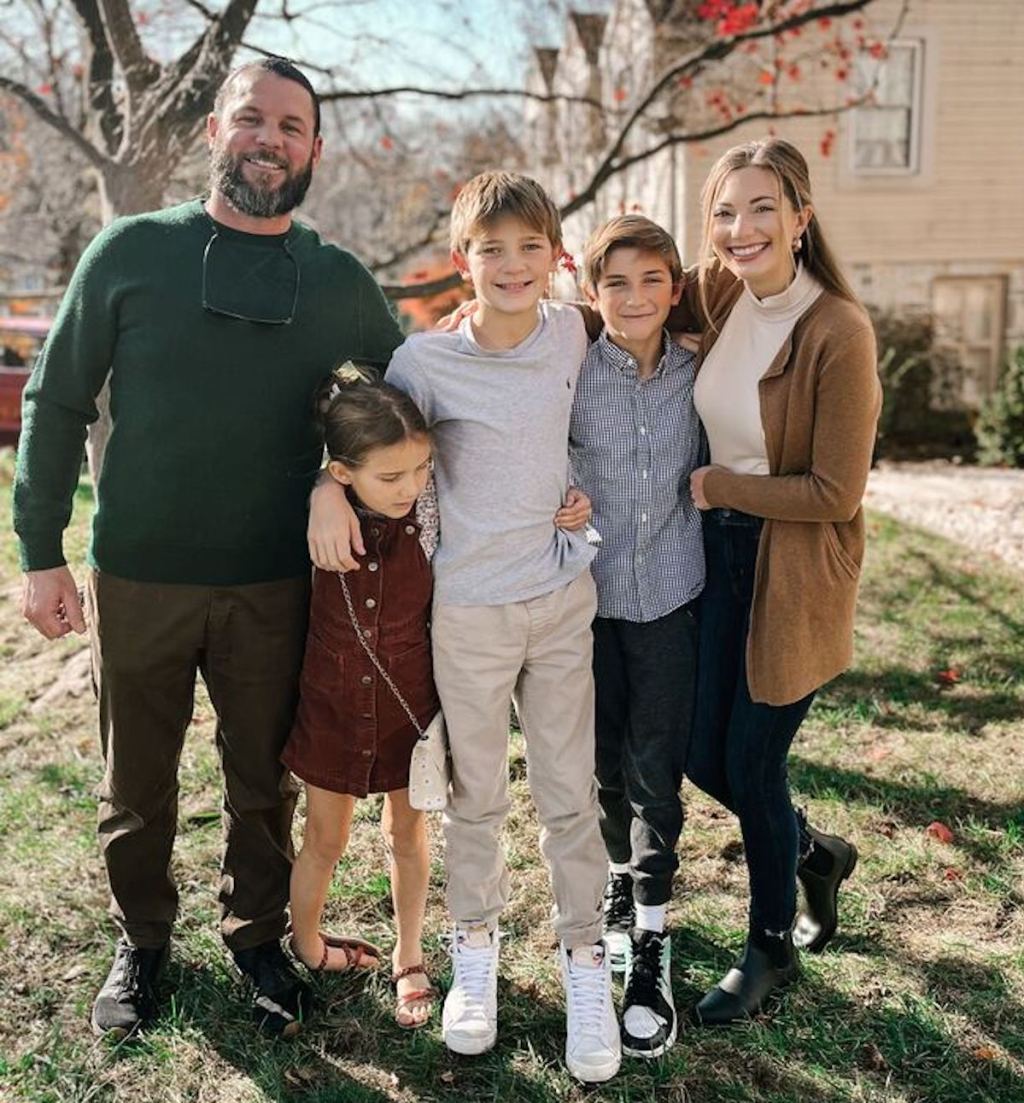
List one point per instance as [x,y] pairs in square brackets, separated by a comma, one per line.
[347,375]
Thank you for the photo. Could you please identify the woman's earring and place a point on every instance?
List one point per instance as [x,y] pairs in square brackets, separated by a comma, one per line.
[798,245]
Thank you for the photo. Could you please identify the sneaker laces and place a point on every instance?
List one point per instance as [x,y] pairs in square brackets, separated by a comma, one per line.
[131,971]
[472,972]
[618,901]
[587,993]
[642,987]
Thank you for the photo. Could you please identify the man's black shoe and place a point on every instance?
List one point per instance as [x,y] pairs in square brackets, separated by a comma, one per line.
[619,917]
[824,865]
[281,1000]
[648,1011]
[741,993]
[127,999]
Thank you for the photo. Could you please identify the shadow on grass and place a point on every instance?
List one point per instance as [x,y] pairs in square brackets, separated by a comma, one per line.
[950,711]
[819,1044]
[981,993]
[914,805]
[897,591]
[352,1051]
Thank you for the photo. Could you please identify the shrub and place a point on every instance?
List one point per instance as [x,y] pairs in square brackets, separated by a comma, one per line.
[1000,427]
[921,410]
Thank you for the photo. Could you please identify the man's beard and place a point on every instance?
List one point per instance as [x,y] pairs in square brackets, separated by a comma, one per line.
[252,199]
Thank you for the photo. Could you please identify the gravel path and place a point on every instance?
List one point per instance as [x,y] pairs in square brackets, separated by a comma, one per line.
[980,507]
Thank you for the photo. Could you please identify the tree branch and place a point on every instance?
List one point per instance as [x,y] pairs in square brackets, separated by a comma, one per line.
[136,65]
[713,51]
[100,67]
[46,114]
[590,192]
[397,291]
[412,248]
[189,86]
[446,94]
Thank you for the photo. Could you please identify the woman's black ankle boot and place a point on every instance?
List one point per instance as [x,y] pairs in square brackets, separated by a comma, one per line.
[768,963]
[825,862]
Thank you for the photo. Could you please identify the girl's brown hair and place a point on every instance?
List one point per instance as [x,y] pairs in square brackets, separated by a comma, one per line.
[787,164]
[359,412]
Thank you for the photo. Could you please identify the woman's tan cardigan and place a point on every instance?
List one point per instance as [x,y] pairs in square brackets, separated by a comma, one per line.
[820,401]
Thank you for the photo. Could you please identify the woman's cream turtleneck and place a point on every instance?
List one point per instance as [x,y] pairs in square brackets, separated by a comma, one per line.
[726,394]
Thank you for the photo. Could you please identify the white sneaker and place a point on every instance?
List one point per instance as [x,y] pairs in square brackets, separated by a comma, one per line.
[469,1023]
[593,1050]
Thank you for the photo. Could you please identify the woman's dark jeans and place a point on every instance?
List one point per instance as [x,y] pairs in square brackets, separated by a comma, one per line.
[738,748]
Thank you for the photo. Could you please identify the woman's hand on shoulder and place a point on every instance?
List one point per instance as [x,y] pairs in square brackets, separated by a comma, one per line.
[333,532]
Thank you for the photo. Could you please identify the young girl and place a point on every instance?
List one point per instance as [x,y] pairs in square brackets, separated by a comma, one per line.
[351,736]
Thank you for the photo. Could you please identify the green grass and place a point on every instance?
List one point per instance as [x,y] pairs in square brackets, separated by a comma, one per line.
[921,1000]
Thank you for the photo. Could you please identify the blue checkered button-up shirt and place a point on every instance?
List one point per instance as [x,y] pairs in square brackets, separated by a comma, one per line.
[633,443]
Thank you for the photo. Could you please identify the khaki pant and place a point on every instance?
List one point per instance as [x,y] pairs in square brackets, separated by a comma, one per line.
[148,641]
[537,653]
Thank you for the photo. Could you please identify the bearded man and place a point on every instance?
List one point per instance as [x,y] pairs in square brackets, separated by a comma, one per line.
[214,321]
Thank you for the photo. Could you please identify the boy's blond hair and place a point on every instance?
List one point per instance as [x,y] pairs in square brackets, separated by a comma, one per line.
[628,231]
[492,195]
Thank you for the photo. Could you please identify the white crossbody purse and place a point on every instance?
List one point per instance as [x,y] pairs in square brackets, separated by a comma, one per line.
[430,766]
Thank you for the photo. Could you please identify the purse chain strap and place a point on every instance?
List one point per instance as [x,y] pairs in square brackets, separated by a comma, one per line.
[373,658]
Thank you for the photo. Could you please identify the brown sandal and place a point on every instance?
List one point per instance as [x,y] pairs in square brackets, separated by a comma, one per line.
[359,954]
[426,995]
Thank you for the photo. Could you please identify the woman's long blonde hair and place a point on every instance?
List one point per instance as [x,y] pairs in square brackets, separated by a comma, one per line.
[787,164]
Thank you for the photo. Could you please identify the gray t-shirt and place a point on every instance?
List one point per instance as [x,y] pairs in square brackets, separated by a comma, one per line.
[500,423]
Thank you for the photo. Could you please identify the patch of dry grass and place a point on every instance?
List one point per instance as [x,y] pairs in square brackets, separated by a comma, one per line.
[922,998]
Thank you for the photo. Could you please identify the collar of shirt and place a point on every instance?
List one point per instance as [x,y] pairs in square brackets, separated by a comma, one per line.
[618,358]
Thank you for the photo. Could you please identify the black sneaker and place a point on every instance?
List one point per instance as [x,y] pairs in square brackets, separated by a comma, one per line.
[619,917]
[648,1011]
[281,1000]
[127,999]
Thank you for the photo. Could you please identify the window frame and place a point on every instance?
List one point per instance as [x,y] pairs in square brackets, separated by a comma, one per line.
[913,168]
[997,284]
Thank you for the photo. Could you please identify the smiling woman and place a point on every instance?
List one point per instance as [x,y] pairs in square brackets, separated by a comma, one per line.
[788,393]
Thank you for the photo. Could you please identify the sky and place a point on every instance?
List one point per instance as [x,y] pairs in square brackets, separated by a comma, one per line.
[433,42]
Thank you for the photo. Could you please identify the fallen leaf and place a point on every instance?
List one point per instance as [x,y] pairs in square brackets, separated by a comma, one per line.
[75,971]
[447,1077]
[948,677]
[871,1058]
[984,1053]
[888,828]
[952,874]
[299,1076]
[940,831]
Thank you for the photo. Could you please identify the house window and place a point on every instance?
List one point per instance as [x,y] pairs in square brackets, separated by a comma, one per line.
[886,133]
[970,322]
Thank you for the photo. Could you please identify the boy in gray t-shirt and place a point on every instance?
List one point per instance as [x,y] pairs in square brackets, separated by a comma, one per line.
[513,606]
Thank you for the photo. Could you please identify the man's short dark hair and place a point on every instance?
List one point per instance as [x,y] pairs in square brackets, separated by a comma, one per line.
[280,67]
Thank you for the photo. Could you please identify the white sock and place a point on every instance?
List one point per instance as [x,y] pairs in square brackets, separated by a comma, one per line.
[618,867]
[651,917]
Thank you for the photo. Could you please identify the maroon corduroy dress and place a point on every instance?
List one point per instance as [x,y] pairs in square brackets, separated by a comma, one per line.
[350,734]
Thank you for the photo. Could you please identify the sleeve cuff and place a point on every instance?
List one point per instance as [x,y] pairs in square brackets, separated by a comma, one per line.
[42,553]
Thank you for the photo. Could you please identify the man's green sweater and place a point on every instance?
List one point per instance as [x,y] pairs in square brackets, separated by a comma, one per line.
[213,447]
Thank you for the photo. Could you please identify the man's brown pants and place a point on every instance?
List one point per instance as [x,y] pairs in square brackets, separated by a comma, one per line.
[148,641]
